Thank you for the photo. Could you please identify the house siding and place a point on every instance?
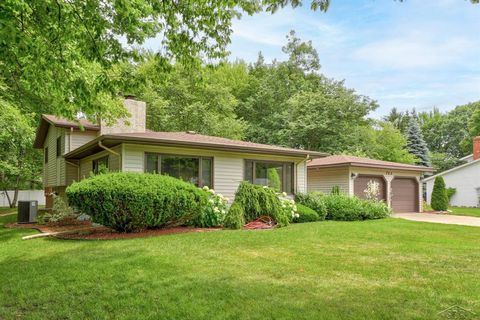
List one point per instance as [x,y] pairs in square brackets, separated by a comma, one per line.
[114,162]
[467,182]
[228,169]
[325,179]
[54,171]
[77,138]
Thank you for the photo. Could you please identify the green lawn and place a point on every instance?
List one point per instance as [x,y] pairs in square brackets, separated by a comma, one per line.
[6,210]
[386,269]
[461,211]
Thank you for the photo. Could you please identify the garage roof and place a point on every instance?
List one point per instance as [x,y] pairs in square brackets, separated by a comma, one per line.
[344,160]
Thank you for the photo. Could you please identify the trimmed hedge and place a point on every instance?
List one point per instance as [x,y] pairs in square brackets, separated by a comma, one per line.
[346,208]
[315,201]
[439,195]
[129,201]
[257,201]
[306,214]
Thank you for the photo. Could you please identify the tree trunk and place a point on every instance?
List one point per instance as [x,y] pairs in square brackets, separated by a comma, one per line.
[13,204]
[8,198]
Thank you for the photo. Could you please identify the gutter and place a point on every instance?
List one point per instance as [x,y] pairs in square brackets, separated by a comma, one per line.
[124,139]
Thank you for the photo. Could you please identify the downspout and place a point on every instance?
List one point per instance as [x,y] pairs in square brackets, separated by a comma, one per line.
[304,173]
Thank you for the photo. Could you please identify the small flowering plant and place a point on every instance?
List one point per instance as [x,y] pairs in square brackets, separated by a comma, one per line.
[288,205]
[214,212]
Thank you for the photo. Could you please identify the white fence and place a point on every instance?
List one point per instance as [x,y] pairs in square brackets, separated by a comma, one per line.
[23,195]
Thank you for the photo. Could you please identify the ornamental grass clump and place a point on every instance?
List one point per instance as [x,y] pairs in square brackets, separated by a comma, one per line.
[128,201]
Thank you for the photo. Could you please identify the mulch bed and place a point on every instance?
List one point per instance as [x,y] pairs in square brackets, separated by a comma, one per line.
[86,231]
[103,233]
[80,225]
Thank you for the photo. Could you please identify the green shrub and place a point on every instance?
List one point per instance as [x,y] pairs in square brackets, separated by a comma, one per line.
[313,200]
[439,195]
[374,209]
[273,179]
[346,208]
[214,211]
[128,201]
[450,193]
[258,201]
[235,218]
[61,213]
[335,190]
[306,214]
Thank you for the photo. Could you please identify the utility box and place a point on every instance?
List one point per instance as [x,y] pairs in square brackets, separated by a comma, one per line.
[27,211]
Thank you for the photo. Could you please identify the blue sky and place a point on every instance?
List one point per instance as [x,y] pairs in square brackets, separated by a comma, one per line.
[419,53]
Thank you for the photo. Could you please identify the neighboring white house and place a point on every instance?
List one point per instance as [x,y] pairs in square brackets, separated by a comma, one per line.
[464,178]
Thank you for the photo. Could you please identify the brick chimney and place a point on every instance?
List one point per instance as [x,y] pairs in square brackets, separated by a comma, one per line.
[476,148]
[136,121]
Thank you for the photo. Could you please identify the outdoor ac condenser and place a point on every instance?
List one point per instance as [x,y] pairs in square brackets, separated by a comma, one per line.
[27,211]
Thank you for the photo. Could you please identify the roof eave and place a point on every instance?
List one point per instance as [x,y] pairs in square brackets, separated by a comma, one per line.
[299,153]
[364,165]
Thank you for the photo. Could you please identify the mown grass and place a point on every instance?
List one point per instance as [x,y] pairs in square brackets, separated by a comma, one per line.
[7,210]
[463,211]
[385,269]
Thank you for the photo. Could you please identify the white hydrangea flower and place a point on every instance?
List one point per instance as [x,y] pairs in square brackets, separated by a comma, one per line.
[212,191]
[205,188]
[284,194]
[211,201]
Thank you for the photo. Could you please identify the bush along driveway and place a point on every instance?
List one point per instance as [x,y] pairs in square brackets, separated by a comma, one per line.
[377,269]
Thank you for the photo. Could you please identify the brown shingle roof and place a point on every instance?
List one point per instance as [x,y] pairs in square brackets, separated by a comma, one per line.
[48,120]
[344,160]
[61,122]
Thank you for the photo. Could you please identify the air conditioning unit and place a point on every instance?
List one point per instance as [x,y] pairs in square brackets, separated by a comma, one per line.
[27,211]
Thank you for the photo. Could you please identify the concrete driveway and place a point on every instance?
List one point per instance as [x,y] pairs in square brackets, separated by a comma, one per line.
[439,218]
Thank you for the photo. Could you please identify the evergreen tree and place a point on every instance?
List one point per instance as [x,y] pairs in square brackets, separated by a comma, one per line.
[439,195]
[415,143]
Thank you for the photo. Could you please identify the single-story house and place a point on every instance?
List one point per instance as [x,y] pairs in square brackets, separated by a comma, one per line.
[400,184]
[74,149]
[465,178]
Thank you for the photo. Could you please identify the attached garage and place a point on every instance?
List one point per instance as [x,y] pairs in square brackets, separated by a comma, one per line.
[361,183]
[405,195]
[399,183]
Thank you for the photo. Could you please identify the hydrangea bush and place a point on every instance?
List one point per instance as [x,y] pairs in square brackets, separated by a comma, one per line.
[213,215]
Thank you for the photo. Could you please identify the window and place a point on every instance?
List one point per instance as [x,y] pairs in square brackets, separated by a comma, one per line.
[100,163]
[276,175]
[59,146]
[196,170]
[45,153]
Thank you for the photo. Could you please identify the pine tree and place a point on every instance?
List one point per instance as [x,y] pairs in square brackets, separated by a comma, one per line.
[439,195]
[415,143]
